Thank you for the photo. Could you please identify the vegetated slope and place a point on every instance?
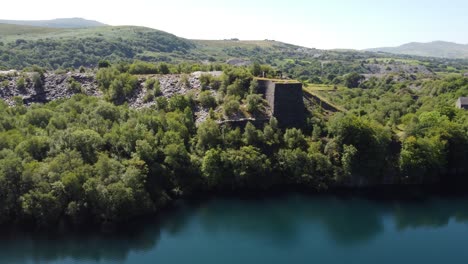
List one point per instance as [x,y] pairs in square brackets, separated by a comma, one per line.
[440,49]
[91,161]
[255,50]
[11,32]
[22,46]
[75,22]
[54,48]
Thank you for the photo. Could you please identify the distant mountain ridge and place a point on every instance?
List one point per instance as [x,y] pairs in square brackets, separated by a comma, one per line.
[440,49]
[56,23]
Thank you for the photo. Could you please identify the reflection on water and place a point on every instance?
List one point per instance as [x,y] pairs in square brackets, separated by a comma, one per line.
[288,223]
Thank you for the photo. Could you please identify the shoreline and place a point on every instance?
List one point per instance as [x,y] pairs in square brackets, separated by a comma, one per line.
[377,193]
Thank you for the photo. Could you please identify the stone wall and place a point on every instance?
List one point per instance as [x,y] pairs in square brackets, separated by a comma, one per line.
[285,100]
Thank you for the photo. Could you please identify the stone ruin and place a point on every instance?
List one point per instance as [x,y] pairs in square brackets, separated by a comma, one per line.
[285,99]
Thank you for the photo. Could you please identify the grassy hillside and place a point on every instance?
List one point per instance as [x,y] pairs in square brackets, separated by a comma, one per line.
[54,48]
[56,23]
[12,32]
[438,49]
[22,46]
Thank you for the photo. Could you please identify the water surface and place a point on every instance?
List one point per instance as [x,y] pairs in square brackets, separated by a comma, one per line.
[289,229]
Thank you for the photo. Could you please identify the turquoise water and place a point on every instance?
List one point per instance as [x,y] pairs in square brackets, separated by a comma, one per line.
[290,229]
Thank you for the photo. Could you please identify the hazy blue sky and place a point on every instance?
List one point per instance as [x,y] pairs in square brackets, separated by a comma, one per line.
[321,24]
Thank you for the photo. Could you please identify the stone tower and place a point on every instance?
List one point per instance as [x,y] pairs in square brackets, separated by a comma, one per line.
[285,100]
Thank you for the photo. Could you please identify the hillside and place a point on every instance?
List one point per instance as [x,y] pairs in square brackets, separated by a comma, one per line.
[168,118]
[61,48]
[56,23]
[22,46]
[439,49]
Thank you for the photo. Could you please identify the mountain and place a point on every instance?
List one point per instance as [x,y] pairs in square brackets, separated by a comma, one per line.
[22,46]
[439,49]
[63,48]
[56,23]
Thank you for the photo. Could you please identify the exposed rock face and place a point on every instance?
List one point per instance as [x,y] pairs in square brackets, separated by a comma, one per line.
[238,62]
[379,70]
[54,87]
[170,84]
[59,86]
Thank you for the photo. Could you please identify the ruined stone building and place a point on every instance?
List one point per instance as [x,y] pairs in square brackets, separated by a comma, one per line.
[286,101]
[462,103]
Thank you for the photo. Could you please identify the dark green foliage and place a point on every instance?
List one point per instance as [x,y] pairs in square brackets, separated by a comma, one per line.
[368,145]
[86,48]
[205,81]
[208,135]
[21,83]
[37,80]
[179,102]
[293,138]
[141,67]
[116,86]
[256,69]
[255,103]
[253,88]
[234,169]
[103,64]
[163,68]
[252,136]
[353,80]
[38,117]
[74,86]
[231,106]
[92,159]
[207,100]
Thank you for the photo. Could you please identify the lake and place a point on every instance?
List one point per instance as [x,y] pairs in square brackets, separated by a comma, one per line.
[287,229]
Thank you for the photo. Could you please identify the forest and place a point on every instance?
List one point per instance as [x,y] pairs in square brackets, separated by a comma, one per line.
[96,160]
[391,120]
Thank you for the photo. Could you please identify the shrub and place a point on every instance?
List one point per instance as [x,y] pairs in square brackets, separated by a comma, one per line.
[37,80]
[103,64]
[205,80]
[74,86]
[207,100]
[184,80]
[149,97]
[254,103]
[149,83]
[163,68]
[141,67]
[231,106]
[21,83]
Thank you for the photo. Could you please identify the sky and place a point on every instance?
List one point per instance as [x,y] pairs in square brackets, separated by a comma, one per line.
[326,24]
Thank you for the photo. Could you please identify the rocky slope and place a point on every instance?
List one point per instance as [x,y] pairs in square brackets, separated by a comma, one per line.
[54,87]
[57,86]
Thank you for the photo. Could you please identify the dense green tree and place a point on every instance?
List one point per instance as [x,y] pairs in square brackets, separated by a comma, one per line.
[421,159]
[293,138]
[85,159]
[208,135]
[231,106]
[206,99]
[140,67]
[252,136]
[254,103]
[353,80]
